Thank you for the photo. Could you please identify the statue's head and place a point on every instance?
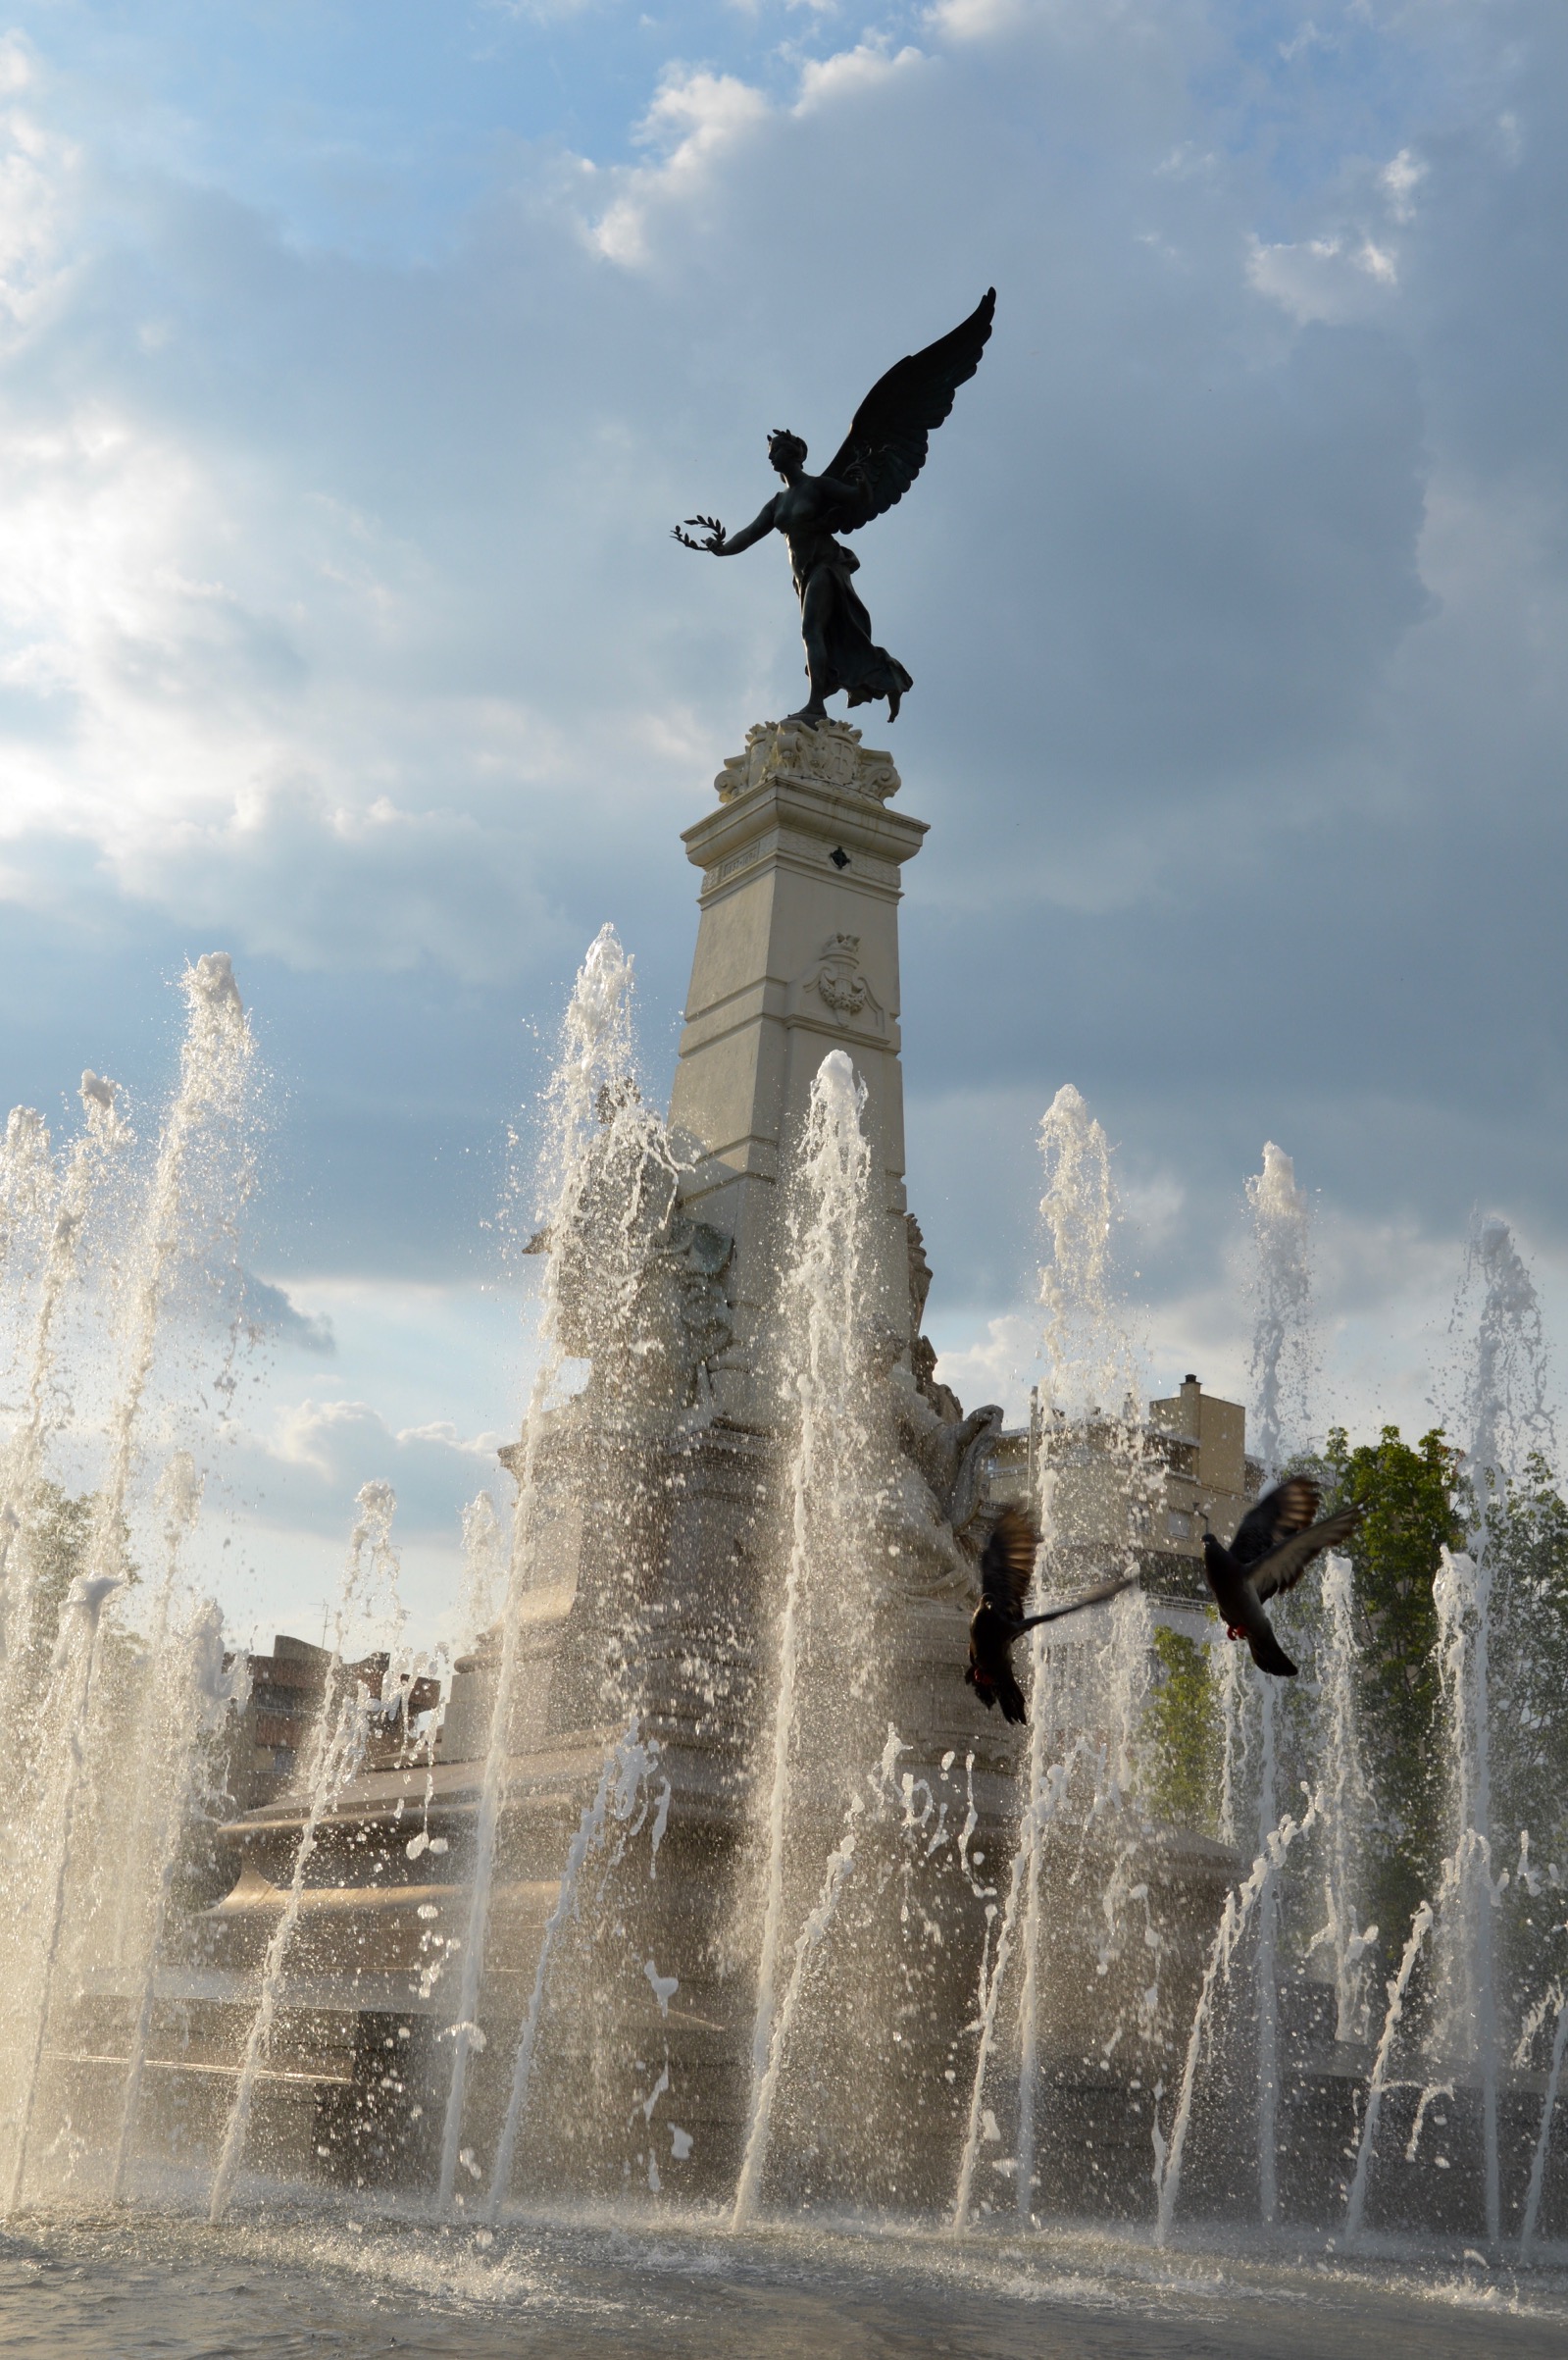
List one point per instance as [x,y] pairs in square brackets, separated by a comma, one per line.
[785,451]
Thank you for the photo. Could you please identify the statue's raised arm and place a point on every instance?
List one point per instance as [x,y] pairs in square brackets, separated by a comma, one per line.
[879,458]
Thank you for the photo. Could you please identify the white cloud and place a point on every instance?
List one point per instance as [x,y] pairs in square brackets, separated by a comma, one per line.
[998,1365]
[851,73]
[696,118]
[1332,279]
[1400,180]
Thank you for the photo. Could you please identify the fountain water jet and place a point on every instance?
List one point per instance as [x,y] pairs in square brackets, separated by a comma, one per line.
[1104,1674]
[822,1308]
[590,1083]
[76,1664]
[1239,1904]
[201,1172]
[1548,2108]
[626,1766]
[336,1748]
[1398,1992]
[1282,1364]
[1346,1800]
[71,1200]
[1462,1595]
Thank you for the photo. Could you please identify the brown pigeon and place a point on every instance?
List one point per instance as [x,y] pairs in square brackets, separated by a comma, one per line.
[1275,1543]
[1006,1570]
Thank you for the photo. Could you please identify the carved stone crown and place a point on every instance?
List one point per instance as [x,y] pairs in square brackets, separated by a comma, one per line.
[835,979]
[828,755]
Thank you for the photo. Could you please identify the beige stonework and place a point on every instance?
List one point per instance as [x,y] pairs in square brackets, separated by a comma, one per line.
[796,956]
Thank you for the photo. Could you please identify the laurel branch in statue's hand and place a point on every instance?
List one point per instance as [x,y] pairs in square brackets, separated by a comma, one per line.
[713,545]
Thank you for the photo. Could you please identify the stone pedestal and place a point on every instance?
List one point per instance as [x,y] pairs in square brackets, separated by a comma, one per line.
[797,954]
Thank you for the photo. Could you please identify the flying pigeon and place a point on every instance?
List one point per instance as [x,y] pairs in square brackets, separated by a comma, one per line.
[1275,1543]
[1006,1570]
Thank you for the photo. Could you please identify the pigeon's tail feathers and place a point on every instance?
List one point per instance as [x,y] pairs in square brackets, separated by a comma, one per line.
[1010,1697]
[1267,1652]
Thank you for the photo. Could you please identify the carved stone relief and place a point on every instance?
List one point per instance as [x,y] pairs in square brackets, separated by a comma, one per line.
[835,981]
[830,755]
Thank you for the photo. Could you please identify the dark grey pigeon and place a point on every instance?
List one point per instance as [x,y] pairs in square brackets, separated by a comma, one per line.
[1006,1570]
[1275,1543]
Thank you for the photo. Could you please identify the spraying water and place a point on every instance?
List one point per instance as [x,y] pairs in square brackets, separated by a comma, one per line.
[1506,1417]
[200,1175]
[823,1294]
[1348,1799]
[1240,1903]
[76,1665]
[1548,2108]
[1462,1595]
[627,1766]
[595,1235]
[810,1939]
[203,1693]
[1284,1360]
[337,1749]
[209,1106]
[1100,1681]
[1398,1992]
[1282,1364]
[103,1134]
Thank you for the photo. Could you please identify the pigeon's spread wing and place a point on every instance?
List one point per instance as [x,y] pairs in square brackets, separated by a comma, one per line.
[1008,1566]
[1289,1508]
[1284,1566]
[1107,1589]
[886,446]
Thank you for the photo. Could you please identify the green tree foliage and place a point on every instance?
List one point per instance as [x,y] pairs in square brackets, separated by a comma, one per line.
[56,1535]
[52,1548]
[1181,1736]
[1417,1503]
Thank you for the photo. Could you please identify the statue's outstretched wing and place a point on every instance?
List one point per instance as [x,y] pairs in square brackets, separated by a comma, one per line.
[886,446]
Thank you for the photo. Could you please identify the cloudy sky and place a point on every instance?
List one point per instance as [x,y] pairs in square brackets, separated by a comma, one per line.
[354,362]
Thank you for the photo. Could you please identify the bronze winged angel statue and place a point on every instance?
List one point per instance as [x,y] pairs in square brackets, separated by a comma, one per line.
[879,458]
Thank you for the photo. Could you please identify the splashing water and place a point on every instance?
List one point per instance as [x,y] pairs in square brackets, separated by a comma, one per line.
[1097,1680]
[75,1665]
[62,1711]
[1462,1595]
[1348,1800]
[1506,1417]
[627,1768]
[812,1933]
[1240,1903]
[1282,1363]
[1506,1389]
[1377,2083]
[194,1695]
[827,1255]
[1283,1357]
[601,1155]
[70,1205]
[337,1749]
[1549,2109]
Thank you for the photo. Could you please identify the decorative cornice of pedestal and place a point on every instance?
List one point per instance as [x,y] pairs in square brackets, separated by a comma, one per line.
[805,822]
[830,755]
